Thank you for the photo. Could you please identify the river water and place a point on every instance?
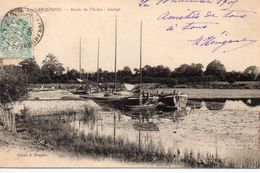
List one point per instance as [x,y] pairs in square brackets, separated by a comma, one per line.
[232,131]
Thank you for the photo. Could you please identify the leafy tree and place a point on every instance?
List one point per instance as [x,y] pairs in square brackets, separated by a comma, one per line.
[186,70]
[13,83]
[215,68]
[52,67]
[100,71]
[31,69]
[98,75]
[127,73]
[136,72]
[104,76]
[147,71]
[233,76]
[252,72]
[161,71]
[72,74]
[124,74]
[183,70]
[196,69]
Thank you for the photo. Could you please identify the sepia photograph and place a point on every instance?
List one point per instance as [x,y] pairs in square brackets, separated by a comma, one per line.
[130,84]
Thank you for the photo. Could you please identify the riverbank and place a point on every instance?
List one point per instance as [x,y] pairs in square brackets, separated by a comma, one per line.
[195,85]
[60,135]
[54,134]
[20,151]
[192,93]
[212,93]
[55,140]
[52,102]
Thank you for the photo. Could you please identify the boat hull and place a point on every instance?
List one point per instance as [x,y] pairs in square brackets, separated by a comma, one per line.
[132,101]
[105,99]
[142,107]
[78,92]
[177,102]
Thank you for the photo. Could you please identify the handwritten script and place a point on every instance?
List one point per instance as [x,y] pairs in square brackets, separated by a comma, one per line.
[218,43]
[204,16]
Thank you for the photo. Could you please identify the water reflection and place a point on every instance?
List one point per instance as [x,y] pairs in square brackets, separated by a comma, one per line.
[224,104]
[215,105]
[252,102]
[212,105]
[229,128]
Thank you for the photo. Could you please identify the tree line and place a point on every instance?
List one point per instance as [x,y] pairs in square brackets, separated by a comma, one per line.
[14,79]
[52,71]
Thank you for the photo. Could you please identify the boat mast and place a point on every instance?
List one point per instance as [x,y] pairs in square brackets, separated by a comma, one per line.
[115,52]
[80,59]
[98,62]
[140,68]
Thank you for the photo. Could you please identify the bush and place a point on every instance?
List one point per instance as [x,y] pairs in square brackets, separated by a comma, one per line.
[13,84]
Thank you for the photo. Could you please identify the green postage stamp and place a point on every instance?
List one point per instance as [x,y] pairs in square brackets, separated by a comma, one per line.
[15,37]
[21,29]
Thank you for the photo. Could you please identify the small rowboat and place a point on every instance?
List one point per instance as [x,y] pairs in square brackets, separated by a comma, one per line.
[143,107]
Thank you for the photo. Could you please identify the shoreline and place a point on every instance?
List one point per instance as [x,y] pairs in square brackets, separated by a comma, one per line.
[193,93]
[247,85]
[232,94]
[41,147]
[20,153]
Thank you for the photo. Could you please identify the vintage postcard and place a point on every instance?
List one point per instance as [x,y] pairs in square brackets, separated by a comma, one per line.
[130,83]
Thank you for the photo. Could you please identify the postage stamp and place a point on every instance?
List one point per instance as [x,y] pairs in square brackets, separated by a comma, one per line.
[13,48]
[21,29]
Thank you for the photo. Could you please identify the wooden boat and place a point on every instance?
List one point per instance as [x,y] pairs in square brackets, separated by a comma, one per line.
[97,95]
[131,101]
[143,107]
[150,103]
[165,103]
[171,102]
[136,103]
[165,108]
[176,101]
[104,97]
[78,91]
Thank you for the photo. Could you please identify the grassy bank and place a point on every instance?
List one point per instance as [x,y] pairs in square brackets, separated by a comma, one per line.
[59,135]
